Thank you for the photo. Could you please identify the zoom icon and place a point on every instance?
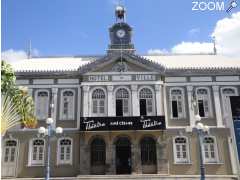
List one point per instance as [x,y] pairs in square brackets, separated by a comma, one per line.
[233,4]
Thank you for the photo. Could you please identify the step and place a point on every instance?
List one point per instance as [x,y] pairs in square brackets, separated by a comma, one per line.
[136,177]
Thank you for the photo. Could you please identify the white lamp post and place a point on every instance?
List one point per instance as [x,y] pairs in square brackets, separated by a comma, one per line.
[49,133]
[201,131]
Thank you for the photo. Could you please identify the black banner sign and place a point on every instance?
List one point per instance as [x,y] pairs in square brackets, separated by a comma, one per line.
[122,123]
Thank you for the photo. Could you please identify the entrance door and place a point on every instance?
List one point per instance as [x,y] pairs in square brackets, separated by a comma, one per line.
[123,156]
[9,158]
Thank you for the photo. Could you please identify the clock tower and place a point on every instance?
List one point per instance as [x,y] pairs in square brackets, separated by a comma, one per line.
[121,33]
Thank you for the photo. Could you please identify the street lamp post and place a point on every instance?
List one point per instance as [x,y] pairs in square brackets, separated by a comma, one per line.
[201,131]
[49,132]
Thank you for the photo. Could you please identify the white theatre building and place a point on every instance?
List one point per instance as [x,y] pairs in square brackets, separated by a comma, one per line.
[123,113]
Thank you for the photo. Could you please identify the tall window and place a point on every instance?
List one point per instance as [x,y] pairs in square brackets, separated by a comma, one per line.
[98,152]
[148,151]
[10,149]
[98,102]
[122,102]
[65,151]
[177,103]
[226,93]
[209,149]
[203,102]
[37,152]
[67,105]
[180,147]
[42,104]
[146,102]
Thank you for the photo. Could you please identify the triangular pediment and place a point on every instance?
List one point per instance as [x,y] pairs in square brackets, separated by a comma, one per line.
[124,62]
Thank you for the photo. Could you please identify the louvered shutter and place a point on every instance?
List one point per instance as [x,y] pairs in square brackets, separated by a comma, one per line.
[206,107]
[149,106]
[125,106]
[71,107]
[101,106]
[95,106]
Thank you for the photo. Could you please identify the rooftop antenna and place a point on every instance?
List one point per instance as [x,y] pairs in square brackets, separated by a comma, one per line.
[214,45]
[29,50]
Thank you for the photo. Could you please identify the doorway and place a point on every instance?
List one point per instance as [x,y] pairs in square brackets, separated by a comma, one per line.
[123,156]
[9,158]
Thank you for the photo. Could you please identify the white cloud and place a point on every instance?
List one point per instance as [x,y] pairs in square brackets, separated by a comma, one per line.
[12,55]
[192,47]
[227,34]
[157,51]
[194,31]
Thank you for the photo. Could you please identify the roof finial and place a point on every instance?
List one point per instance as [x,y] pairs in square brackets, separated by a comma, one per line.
[214,45]
[120,13]
[29,51]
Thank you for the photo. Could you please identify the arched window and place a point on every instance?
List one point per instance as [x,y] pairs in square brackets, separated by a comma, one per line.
[148,151]
[146,102]
[177,103]
[227,92]
[180,147]
[67,105]
[10,150]
[65,151]
[122,102]
[203,102]
[98,102]
[209,149]
[42,104]
[98,152]
[37,147]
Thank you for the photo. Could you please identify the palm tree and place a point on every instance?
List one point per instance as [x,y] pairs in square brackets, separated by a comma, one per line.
[9,114]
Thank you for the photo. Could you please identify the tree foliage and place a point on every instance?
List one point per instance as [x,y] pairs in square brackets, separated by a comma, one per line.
[18,97]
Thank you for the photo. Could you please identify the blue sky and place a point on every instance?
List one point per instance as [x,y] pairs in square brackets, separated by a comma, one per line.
[80,27]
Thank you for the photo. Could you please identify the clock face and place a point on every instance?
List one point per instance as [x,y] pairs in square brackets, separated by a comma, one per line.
[121,33]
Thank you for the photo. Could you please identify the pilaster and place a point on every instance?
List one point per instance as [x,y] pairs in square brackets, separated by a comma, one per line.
[86,101]
[191,106]
[110,101]
[159,100]
[55,103]
[217,106]
[136,159]
[135,100]
[162,157]
[30,92]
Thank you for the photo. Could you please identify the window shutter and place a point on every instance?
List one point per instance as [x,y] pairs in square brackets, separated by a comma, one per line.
[206,107]
[149,106]
[71,107]
[125,106]
[101,106]
[95,104]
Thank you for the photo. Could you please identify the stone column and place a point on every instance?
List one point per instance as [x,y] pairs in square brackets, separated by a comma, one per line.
[84,156]
[190,106]
[110,159]
[110,105]
[162,156]
[159,100]
[217,106]
[86,101]
[135,101]
[136,159]
[55,103]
